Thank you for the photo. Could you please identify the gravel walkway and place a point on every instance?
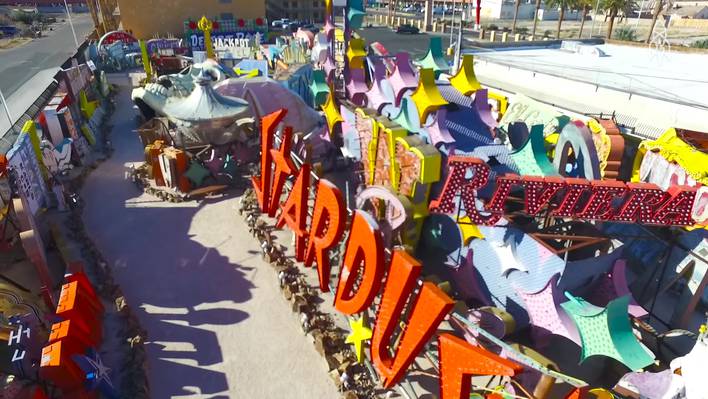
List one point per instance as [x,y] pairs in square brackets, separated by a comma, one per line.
[217,323]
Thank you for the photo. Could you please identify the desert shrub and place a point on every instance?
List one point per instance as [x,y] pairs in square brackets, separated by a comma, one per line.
[625,33]
[25,17]
[700,44]
[5,20]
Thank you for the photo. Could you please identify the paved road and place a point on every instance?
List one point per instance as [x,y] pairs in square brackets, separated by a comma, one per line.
[217,324]
[18,65]
[416,45]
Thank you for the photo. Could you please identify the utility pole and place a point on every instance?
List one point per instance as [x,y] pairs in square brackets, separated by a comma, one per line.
[7,110]
[452,21]
[639,14]
[594,17]
[458,49]
[68,14]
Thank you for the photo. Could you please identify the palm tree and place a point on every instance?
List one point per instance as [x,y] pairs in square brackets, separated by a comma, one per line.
[562,5]
[585,6]
[516,14]
[658,6]
[614,6]
[535,19]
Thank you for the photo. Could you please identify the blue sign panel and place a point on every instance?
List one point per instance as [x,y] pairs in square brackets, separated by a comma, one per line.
[220,39]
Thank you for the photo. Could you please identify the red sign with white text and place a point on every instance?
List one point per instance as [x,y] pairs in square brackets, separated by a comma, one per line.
[604,200]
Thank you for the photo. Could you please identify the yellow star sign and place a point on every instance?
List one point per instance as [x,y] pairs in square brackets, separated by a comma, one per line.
[427,97]
[468,229]
[465,81]
[359,334]
[331,112]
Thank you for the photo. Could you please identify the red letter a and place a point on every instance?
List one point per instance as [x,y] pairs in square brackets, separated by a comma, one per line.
[294,211]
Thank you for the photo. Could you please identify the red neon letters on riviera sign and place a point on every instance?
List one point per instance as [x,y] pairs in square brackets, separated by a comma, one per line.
[364,256]
[609,200]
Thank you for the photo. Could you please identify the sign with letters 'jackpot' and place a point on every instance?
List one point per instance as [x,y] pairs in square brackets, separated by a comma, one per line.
[222,40]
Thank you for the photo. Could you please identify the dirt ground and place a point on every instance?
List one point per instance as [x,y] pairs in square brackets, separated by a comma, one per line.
[13,42]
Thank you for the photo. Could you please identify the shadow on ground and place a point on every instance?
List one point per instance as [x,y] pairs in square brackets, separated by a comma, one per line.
[181,284]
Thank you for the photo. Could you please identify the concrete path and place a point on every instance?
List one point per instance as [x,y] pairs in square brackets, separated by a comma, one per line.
[217,323]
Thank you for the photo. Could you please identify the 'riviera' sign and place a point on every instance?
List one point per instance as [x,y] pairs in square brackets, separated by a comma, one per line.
[606,200]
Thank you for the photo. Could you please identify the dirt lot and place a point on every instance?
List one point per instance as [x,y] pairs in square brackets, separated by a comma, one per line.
[13,42]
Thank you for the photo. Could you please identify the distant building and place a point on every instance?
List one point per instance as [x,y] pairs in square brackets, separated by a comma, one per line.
[504,9]
[160,18]
[33,3]
[691,12]
[301,10]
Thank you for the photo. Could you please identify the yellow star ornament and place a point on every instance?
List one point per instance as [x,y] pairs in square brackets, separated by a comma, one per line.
[427,97]
[331,112]
[359,334]
[465,81]
[469,230]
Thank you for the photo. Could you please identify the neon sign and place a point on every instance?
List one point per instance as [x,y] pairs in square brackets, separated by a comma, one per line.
[365,263]
[607,200]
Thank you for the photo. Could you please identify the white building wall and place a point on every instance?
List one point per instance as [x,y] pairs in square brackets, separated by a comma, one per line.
[552,15]
[504,9]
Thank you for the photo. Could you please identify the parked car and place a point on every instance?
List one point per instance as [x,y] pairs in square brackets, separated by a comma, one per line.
[292,26]
[312,28]
[409,29]
[280,23]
